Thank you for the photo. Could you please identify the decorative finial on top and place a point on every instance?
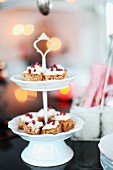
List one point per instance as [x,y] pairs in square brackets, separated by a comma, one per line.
[43,37]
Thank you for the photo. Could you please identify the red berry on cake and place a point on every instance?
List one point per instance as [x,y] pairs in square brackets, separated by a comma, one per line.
[29,115]
[29,71]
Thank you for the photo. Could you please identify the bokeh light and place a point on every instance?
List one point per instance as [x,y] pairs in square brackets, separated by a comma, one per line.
[32,95]
[2,65]
[21,95]
[2,0]
[24,95]
[57,44]
[65,91]
[18,29]
[28,29]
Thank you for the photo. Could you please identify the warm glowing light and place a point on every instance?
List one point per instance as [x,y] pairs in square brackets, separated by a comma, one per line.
[4,74]
[57,44]
[2,0]
[28,29]
[65,91]
[18,29]
[70,1]
[32,95]
[21,95]
[109,18]
[2,65]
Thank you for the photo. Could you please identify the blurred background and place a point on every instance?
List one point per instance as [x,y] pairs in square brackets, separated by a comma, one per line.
[79,31]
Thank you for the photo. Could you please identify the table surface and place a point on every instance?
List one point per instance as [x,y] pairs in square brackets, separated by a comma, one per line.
[86,154]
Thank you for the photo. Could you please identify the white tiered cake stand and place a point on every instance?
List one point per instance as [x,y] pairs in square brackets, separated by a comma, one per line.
[45,150]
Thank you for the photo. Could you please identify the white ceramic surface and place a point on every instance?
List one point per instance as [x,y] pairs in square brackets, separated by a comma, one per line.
[106,146]
[48,85]
[106,163]
[46,154]
[46,150]
[13,125]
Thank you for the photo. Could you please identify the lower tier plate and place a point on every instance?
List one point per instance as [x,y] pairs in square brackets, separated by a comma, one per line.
[13,125]
[46,150]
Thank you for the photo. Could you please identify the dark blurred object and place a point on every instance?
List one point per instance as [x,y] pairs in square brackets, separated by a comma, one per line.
[3,73]
[5,133]
[3,83]
[44,6]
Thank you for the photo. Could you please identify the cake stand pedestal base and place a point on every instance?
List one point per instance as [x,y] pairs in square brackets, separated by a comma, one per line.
[47,153]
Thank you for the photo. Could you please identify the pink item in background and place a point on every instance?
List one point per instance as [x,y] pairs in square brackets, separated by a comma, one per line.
[111,77]
[95,88]
[98,96]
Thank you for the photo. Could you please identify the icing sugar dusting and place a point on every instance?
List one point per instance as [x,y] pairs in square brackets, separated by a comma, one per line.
[51,125]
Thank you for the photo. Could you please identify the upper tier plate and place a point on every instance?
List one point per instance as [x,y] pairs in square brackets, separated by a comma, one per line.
[48,85]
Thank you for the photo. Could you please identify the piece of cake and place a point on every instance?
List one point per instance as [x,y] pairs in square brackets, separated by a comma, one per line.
[33,128]
[52,127]
[50,114]
[55,72]
[65,120]
[26,118]
[33,73]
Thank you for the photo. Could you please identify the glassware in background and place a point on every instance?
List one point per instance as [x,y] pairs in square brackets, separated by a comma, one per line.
[107,121]
[91,118]
[107,112]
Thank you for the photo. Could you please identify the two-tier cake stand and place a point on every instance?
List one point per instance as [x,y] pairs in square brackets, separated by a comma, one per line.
[47,149]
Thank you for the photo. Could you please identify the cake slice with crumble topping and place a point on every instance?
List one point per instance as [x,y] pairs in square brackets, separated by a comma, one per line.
[50,114]
[26,118]
[33,73]
[55,72]
[65,120]
[52,127]
[33,128]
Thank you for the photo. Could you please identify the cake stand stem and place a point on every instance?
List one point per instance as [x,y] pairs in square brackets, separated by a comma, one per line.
[45,103]
[44,62]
